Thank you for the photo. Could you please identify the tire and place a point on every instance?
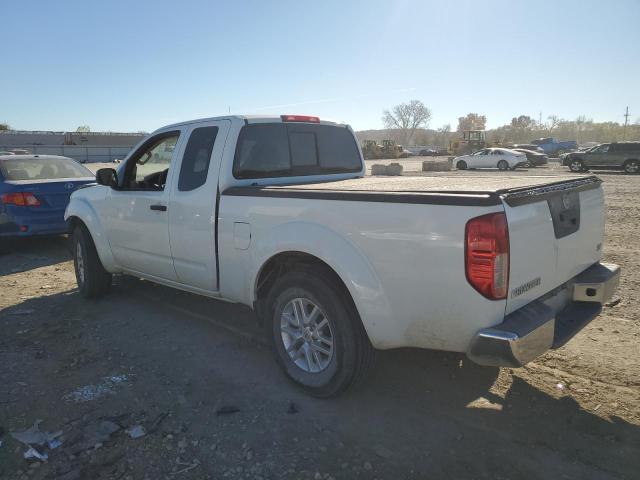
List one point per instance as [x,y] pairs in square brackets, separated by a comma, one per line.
[461,165]
[503,165]
[93,280]
[5,246]
[631,166]
[576,165]
[331,351]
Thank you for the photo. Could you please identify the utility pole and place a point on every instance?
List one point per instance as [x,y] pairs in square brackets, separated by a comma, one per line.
[626,121]
[540,120]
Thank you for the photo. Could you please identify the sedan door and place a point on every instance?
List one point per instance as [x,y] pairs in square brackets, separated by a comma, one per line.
[478,159]
[136,212]
[494,157]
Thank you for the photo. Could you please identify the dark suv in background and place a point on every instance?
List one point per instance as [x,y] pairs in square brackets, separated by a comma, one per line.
[622,155]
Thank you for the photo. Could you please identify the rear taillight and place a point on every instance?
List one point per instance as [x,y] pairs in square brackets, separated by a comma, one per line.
[300,118]
[21,199]
[487,255]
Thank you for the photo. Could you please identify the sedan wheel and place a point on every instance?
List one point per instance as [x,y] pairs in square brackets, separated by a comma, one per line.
[461,165]
[631,166]
[503,165]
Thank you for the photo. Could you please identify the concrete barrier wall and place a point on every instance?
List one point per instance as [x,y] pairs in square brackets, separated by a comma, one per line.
[88,154]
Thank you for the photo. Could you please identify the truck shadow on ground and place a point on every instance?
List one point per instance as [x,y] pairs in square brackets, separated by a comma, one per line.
[419,410]
[24,254]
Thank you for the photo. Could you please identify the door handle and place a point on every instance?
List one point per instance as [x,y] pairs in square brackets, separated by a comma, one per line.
[160,208]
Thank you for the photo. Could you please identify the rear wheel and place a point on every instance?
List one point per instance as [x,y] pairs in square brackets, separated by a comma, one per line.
[461,165]
[576,165]
[503,165]
[316,334]
[631,166]
[93,280]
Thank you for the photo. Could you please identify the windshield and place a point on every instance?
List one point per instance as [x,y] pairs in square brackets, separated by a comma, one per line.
[34,168]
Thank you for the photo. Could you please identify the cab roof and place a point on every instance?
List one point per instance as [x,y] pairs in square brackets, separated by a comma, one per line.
[247,119]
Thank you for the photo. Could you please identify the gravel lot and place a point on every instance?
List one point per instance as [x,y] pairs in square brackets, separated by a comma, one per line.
[195,374]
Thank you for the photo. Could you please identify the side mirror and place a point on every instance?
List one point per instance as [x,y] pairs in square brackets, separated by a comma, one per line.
[107,177]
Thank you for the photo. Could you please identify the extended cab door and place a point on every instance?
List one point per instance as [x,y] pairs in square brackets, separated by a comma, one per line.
[192,209]
[136,213]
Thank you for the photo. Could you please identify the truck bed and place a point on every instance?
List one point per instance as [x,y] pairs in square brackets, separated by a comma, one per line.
[447,190]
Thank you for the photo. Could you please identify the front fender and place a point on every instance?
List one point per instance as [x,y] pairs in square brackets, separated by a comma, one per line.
[80,208]
[342,256]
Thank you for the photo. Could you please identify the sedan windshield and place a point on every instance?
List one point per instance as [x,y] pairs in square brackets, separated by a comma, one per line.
[46,168]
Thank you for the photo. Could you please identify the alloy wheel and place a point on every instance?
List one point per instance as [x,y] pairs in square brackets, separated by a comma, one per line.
[306,335]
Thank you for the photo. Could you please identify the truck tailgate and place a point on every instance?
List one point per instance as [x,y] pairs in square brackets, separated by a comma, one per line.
[555,232]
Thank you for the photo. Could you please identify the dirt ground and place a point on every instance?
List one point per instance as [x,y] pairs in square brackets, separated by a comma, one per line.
[195,374]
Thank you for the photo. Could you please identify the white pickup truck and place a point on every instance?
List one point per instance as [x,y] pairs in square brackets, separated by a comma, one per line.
[276,213]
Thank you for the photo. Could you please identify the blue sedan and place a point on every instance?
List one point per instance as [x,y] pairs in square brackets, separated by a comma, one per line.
[35,191]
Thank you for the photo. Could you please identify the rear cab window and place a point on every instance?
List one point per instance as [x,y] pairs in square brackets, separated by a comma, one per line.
[272,150]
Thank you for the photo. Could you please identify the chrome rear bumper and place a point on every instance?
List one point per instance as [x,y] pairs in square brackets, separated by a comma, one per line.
[535,328]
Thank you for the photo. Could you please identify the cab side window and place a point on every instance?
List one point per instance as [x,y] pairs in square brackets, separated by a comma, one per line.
[149,167]
[197,155]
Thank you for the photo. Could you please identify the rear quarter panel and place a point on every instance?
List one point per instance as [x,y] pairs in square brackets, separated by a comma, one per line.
[403,264]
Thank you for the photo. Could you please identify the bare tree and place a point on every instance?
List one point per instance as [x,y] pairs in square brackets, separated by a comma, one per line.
[581,122]
[444,131]
[407,118]
[554,121]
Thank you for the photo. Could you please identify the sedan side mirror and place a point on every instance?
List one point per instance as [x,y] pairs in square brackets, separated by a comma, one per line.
[107,177]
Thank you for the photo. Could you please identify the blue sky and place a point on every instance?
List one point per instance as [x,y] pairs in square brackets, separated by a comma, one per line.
[137,65]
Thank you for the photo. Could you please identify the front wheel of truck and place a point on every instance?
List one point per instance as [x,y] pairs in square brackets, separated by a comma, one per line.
[93,280]
[316,334]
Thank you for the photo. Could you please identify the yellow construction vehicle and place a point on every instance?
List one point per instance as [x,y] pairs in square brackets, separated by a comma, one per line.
[371,150]
[389,149]
[469,141]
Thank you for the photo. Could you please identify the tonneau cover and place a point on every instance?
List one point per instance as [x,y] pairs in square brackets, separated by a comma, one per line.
[441,189]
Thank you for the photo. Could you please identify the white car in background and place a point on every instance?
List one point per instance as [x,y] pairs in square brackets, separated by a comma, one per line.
[500,158]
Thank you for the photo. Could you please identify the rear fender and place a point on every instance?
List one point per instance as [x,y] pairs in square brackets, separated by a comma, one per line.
[82,210]
[343,257]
